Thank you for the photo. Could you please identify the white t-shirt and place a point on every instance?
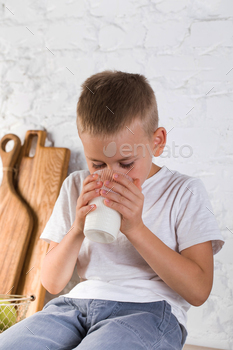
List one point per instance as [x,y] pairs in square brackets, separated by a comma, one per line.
[176,209]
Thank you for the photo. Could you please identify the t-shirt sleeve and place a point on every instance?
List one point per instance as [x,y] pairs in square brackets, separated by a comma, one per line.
[195,221]
[59,222]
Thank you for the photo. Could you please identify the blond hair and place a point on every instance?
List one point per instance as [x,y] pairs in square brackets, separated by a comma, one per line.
[112,100]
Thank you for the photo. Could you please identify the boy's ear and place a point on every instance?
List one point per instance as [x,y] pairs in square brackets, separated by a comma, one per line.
[160,138]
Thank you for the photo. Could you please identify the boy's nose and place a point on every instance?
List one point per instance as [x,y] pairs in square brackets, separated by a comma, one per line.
[110,168]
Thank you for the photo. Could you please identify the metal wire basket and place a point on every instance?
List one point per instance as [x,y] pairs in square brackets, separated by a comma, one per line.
[13,308]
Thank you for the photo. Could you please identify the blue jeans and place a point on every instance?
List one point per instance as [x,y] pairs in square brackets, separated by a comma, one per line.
[94,324]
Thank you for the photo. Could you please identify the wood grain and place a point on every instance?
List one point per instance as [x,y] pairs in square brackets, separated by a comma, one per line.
[16,221]
[38,183]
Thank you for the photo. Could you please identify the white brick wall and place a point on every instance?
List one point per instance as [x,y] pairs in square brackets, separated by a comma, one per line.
[184,48]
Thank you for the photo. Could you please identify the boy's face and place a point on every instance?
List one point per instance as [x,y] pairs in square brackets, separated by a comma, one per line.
[131,144]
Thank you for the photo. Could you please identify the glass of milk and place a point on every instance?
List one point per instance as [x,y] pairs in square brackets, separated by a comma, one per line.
[103,224]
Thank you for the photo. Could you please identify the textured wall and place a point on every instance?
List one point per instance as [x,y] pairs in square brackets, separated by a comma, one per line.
[184,48]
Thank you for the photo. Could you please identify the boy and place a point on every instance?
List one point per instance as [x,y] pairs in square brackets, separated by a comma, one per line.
[135,292]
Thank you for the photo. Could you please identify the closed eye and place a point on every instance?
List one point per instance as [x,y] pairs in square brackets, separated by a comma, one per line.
[96,166]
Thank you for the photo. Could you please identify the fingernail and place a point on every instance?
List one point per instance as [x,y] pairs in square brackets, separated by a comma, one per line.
[106,182]
[115,176]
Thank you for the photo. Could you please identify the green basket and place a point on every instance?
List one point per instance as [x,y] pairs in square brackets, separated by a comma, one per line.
[13,308]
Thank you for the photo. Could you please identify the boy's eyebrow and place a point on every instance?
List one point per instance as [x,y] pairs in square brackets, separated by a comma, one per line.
[119,160]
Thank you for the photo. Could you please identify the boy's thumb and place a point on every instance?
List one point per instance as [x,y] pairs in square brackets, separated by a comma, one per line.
[138,183]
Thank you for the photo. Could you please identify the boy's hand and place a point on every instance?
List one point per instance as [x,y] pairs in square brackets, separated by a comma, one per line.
[82,208]
[128,201]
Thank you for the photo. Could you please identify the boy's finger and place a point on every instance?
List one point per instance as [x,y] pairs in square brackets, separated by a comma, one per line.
[89,178]
[138,183]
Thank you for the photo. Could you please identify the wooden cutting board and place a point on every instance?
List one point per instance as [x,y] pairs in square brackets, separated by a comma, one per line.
[39,181]
[16,221]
